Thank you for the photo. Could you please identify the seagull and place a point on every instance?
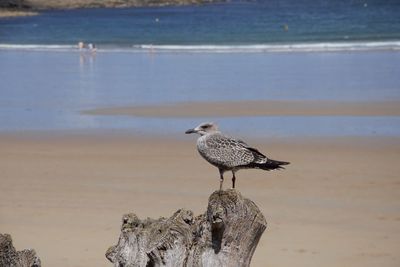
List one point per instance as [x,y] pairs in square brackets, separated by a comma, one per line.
[229,154]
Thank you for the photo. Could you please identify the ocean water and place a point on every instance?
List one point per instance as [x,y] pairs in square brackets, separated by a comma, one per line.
[236,51]
[244,25]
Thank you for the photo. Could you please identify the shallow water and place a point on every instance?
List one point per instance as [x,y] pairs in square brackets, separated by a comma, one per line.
[43,90]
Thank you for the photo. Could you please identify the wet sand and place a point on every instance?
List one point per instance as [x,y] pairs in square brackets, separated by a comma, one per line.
[256,108]
[337,204]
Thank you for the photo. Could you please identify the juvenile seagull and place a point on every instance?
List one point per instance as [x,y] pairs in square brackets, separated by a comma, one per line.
[228,154]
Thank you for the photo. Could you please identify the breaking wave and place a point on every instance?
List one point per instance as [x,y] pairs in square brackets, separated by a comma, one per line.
[248,48]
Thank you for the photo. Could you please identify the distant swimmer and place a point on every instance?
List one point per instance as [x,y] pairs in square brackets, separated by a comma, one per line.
[81,45]
[92,47]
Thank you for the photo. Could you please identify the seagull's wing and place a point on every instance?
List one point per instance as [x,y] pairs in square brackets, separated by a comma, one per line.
[230,152]
[258,156]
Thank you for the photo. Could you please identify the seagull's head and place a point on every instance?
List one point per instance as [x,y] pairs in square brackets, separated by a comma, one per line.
[204,128]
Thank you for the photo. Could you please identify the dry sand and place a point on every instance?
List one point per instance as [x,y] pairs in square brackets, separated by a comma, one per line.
[257,108]
[337,204]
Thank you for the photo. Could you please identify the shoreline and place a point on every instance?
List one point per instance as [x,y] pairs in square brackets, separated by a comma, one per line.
[255,108]
[123,134]
[89,4]
[10,13]
[20,8]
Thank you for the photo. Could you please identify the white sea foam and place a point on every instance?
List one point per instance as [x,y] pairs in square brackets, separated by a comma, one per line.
[251,48]
[265,48]
[38,47]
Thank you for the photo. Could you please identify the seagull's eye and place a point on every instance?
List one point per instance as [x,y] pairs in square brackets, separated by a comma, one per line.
[205,126]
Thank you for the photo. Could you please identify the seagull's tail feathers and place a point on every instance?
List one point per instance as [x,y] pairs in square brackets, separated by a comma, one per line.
[271,164]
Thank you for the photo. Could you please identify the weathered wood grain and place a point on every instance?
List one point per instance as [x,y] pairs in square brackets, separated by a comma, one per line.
[227,234]
[9,257]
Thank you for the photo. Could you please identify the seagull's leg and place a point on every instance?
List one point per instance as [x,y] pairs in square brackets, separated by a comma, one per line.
[233,179]
[221,179]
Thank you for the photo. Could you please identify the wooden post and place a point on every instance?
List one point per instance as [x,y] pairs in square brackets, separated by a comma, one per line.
[11,258]
[227,234]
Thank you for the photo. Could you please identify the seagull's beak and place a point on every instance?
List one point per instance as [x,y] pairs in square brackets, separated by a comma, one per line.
[190,131]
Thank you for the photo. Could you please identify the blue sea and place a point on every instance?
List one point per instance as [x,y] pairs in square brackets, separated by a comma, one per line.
[233,51]
[258,24]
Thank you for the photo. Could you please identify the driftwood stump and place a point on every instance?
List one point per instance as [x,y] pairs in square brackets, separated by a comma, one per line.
[226,235]
[9,257]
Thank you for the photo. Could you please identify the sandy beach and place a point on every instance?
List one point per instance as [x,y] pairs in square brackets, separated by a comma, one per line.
[337,204]
[256,108]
